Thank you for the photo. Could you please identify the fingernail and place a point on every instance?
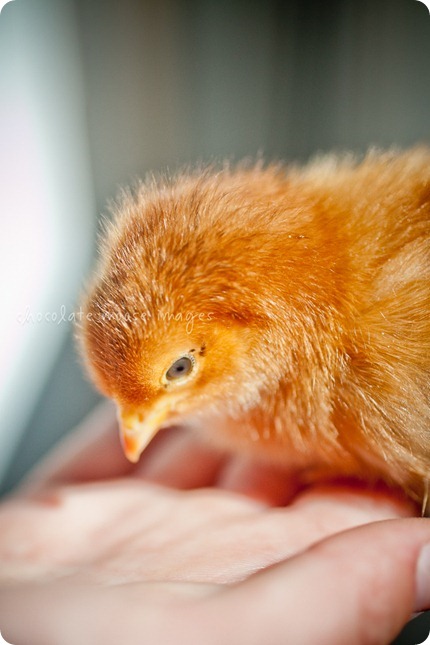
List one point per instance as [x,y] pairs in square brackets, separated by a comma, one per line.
[422,598]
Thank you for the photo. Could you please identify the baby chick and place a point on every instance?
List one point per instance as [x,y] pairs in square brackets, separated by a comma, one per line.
[280,310]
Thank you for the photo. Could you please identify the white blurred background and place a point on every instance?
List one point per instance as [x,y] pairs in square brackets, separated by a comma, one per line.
[94,93]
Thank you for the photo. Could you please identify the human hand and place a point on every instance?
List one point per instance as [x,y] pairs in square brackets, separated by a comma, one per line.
[94,550]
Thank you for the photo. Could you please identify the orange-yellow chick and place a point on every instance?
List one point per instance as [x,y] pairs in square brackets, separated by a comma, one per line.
[281,310]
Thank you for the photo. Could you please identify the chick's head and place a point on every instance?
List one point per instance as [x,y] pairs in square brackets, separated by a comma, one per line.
[171,331]
[179,378]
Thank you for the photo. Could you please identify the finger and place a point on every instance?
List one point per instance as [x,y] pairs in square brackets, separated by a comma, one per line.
[278,486]
[357,587]
[92,451]
[178,459]
[373,502]
[260,480]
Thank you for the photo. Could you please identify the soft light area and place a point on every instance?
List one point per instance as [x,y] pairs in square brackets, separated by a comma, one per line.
[46,204]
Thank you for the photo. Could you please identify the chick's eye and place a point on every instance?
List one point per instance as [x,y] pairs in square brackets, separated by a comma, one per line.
[180,368]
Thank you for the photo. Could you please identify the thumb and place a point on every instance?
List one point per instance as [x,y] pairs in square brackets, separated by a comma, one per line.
[358,587]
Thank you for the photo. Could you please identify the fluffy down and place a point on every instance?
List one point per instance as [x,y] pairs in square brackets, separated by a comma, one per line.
[300,299]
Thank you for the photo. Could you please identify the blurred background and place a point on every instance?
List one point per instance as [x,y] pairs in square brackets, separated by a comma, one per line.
[95,93]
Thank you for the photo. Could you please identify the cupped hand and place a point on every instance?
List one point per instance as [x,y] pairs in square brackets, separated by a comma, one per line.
[195,546]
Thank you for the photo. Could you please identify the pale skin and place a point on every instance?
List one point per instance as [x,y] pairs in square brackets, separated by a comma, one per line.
[191,546]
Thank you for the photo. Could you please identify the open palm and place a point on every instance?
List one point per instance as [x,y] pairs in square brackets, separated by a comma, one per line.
[180,548]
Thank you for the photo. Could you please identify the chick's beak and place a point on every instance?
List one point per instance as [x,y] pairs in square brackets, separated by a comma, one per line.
[138,427]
